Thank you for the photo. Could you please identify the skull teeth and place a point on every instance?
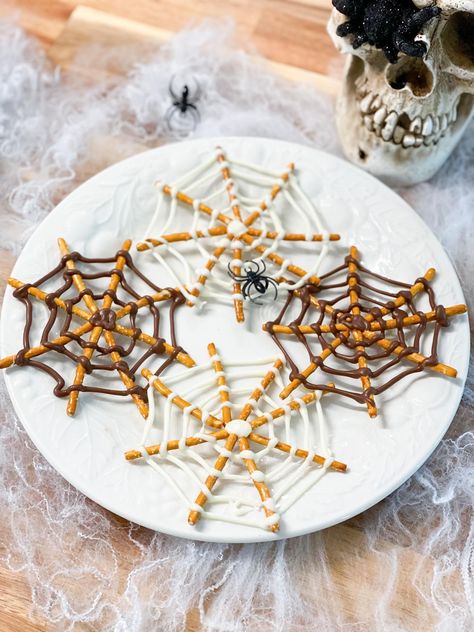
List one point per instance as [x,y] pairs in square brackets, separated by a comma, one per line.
[398,128]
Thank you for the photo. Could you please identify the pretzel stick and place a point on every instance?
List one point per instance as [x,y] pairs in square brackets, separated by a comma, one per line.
[180,402]
[237,252]
[182,357]
[302,454]
[273,234]
[211,262]
[352,281]
[77,311]
[175,444]
[128,381]
[36,351]
[310,368]
[273,256]
[273,193]
[375,326]
[214,231]
[221,460]
[219,465]
[399,301]
[417,358]
[279,412]
[258,392]
[387,343]
[255,474]
[258,479]
[185,199]
[221,383]
[41,295]
[96,333]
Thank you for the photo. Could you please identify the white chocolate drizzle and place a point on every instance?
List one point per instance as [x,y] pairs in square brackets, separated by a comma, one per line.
[301,424]
[275,199]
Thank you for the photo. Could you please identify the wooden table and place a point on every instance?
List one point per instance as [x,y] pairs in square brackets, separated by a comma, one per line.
[291,33]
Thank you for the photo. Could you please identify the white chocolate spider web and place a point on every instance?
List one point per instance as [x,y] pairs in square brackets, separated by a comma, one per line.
[186,434]
[237,210]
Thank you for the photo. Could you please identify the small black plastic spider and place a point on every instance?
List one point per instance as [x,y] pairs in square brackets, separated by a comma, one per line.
[254,278]
[183,104]
[391,25]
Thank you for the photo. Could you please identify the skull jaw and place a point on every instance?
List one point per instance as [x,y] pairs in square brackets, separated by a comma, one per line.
[392,163]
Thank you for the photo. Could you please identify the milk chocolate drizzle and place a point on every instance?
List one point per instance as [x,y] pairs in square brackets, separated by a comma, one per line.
[105,318]
[334,291]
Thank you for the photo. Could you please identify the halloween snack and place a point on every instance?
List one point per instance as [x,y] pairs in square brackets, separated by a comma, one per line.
[367,329]
[96,346]
[243,227]
[232,431]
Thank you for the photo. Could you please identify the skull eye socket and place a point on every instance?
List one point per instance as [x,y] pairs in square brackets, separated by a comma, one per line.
[411,73]
[458,40]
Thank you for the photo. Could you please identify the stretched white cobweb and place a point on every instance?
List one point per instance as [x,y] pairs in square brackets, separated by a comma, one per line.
[235,212]
[228,446]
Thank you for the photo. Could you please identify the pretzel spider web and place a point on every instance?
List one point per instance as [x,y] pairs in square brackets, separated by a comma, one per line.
[101,345]
[244,222]
[342,325]
[235,444]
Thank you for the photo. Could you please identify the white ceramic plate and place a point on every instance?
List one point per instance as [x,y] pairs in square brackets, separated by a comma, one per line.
[88,449]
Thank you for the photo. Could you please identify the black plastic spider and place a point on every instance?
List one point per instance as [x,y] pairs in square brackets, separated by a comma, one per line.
[390,25]
[254,278]
[184,105]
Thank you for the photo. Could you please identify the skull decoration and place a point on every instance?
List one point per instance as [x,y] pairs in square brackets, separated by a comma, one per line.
[400,115]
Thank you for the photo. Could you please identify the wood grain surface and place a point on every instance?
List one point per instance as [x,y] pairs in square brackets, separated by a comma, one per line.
[292,34]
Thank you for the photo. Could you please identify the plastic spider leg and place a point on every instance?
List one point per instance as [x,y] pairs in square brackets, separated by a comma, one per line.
[351,8]
[420,18]
[194,89]
[254,266]
[170,114]
[246,294]
[175,111]
[171,89]
[193,111]
[359,40]
[346,28]
[412,49]
[274,284]
[249,294]
[391,53]
[235,277]
[197,94]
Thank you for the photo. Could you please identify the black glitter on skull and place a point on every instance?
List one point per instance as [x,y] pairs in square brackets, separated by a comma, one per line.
[390,25]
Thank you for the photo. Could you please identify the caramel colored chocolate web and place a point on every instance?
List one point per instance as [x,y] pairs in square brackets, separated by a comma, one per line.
[101,321]
[366,328]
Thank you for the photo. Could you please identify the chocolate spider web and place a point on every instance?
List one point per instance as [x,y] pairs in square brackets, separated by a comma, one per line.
[231,232]
[104,310]
[233,430]
[350,328]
